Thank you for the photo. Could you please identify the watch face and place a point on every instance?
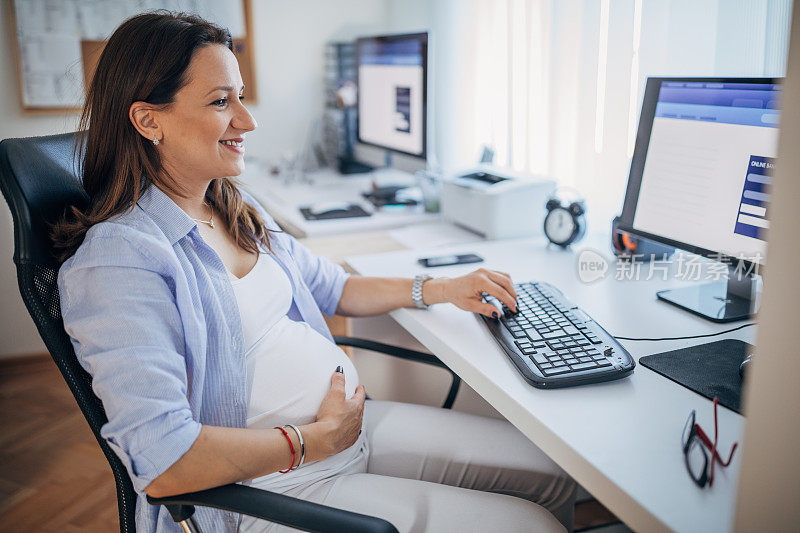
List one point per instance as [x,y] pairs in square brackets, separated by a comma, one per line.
[559,225]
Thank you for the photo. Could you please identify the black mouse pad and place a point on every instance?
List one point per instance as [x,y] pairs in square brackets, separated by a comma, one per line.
[709,369]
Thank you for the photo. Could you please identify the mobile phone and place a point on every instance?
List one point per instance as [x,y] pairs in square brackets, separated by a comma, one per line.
[447,260]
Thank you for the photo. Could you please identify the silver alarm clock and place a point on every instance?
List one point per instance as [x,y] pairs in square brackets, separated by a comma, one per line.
[565,222]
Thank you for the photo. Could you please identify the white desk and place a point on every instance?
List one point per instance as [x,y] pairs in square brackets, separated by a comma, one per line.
[283,201]
[620,440]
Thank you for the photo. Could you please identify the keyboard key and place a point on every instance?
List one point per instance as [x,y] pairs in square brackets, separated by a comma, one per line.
[584,366]
[603,363]
[555,334]
[555,370]
[538,358]
[534,337]
[571,361]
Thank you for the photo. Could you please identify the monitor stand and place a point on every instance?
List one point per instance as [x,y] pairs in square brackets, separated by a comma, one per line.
[388,175]
[720,301]
[351,166]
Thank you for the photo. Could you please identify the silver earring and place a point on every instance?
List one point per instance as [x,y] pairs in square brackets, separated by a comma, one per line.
[155,141]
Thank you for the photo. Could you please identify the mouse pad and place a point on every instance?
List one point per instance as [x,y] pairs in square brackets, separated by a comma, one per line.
[353,211]
[709,369]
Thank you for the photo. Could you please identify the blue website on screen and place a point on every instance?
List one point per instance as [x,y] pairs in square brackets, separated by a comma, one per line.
[707,173]
[390,107]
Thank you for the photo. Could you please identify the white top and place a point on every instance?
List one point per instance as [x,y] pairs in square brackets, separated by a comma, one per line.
[289,368]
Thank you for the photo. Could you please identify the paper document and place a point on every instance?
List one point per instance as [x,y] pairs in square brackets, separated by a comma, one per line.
[433,235]
[49,33]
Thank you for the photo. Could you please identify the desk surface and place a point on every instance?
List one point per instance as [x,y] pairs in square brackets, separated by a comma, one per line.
[620,440]
[282,201]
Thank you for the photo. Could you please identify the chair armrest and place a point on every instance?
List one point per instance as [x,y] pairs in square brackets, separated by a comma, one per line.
[404,353]
[279,508]
[388,349]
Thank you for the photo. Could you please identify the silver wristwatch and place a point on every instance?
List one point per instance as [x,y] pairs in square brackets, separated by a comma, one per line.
[416,290]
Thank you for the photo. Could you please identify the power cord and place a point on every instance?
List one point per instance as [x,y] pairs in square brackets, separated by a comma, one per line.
[686,337]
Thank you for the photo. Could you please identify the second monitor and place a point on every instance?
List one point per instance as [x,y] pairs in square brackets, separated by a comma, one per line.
[392,92]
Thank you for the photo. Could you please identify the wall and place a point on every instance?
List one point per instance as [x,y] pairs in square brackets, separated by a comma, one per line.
[769,480]
[18,334]
[289,37]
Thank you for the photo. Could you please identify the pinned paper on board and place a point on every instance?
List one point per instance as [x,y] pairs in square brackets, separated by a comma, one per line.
[59,43]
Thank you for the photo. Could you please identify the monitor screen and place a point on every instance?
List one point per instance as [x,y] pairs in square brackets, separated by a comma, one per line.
[702,165]
[392,92]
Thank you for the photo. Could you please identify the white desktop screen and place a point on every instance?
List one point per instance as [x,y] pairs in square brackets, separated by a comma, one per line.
[706,177]
[391,92]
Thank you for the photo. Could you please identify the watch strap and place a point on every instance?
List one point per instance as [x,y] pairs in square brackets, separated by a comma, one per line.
[416,290]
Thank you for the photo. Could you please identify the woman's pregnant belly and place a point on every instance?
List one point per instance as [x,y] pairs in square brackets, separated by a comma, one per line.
[289,372]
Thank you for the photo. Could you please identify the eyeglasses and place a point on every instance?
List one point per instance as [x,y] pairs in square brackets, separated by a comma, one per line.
[695,442]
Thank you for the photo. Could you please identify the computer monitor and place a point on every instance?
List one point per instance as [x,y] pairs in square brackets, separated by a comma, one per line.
[699,180]
[393,91]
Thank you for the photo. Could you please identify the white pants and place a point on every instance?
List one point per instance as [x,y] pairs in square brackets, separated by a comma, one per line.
[435,470]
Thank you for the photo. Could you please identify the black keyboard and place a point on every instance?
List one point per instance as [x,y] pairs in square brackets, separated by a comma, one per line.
[554,343]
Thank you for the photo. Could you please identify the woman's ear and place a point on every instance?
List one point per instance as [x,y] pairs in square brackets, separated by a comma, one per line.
[144,118]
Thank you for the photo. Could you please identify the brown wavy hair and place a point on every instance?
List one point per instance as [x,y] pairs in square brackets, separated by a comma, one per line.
[146,59]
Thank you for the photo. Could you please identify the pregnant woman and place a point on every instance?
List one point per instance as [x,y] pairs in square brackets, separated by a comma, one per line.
[202,324]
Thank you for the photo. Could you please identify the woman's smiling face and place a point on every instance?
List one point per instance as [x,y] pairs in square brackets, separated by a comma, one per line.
[202,131]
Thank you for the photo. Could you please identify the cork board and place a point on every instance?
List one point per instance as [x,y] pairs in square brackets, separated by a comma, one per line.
[57,45]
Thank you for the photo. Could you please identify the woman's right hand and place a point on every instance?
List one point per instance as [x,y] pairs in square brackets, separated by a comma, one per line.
[338,418]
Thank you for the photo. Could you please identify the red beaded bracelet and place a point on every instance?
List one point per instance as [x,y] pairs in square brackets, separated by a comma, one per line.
[291,448]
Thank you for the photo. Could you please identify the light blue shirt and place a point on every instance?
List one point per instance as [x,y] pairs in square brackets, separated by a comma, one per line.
[153,318]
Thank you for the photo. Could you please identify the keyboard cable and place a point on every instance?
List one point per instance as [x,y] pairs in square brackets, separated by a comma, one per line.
[686,337]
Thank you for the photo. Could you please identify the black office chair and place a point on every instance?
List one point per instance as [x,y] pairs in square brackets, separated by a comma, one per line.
[38,179]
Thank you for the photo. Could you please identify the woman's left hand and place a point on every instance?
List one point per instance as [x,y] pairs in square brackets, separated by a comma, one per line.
[466,292]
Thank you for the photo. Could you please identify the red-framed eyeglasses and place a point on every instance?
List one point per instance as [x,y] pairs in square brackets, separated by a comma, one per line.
[695,441]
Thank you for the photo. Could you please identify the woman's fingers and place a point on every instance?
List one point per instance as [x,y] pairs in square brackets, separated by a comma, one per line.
[493,289]
[504,280]
[337,382]
[360,395]
[485,309]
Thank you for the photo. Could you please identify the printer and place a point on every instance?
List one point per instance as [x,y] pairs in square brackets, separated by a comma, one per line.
[497,204]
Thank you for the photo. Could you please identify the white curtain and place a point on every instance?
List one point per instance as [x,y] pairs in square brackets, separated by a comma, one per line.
[512,89]
[557,84]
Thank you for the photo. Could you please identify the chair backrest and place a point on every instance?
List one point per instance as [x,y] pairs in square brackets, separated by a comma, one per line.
[39,178]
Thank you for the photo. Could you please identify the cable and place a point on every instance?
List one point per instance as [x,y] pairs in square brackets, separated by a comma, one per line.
[686,337]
